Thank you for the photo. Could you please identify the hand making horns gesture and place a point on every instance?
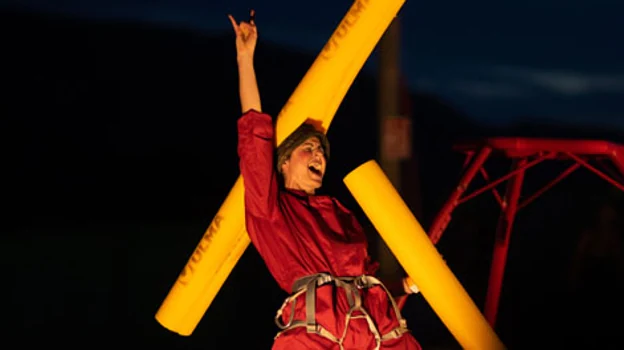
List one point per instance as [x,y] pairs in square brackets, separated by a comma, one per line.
[246,35]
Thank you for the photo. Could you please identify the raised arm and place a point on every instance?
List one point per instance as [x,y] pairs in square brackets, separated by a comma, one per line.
[246,38]
[255,132]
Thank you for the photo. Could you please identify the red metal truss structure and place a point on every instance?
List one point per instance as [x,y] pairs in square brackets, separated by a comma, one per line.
[524,153]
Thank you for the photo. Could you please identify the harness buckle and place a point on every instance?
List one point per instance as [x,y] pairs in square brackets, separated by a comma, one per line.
[360,282]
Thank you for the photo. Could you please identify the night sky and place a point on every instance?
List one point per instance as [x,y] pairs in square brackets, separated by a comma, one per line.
[548,60]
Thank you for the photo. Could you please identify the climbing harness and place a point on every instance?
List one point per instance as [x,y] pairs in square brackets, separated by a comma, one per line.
[352,287]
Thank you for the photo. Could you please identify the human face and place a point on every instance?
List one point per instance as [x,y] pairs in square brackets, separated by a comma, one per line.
[305,167]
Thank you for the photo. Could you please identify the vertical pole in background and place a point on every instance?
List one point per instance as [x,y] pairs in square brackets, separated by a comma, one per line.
[501,243]
[394,145]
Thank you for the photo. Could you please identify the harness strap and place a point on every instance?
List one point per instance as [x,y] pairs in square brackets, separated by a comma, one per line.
[310,307]
[352,287]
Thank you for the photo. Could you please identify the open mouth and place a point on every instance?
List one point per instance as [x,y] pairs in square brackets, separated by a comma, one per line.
[316,171]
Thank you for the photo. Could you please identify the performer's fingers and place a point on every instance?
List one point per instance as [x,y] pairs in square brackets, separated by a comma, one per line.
[234,24]
[252,17]
[245,28]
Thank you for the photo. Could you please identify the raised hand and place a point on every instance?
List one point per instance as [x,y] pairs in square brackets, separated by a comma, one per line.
[246,35]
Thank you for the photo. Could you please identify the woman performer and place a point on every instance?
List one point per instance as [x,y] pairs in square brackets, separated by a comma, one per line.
[312,245]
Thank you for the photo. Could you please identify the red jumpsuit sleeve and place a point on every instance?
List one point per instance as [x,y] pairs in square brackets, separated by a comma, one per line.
[256,154]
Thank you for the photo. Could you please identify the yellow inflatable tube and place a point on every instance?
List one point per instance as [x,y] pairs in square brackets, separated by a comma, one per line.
[411,246]
[213,249]
[324,86]
[317,98]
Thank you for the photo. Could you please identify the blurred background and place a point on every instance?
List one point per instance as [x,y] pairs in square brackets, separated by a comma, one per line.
[119,130]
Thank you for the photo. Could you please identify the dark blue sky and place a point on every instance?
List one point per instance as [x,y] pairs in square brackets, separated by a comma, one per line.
[557,60]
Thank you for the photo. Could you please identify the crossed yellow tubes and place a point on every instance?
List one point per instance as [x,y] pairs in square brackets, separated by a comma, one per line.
[316,99]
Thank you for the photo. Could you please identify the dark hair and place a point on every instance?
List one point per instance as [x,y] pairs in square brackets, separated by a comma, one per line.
[303,132]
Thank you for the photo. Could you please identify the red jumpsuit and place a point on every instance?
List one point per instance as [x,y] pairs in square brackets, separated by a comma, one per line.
[299,235]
